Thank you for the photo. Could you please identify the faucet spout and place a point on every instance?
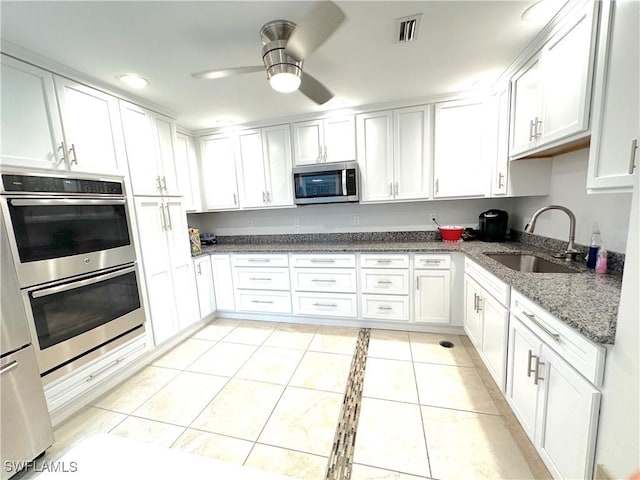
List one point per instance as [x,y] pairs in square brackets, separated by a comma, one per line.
[571,252]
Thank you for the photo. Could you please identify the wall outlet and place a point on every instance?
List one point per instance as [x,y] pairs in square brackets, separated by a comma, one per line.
[250,224]
[356,219]
[433,217]
[296,222]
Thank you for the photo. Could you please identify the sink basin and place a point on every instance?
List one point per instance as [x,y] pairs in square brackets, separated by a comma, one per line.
[529,263]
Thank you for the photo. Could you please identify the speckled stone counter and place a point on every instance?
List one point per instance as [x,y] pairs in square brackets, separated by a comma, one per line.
[586,301]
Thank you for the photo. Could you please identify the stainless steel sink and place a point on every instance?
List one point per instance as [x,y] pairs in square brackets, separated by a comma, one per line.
[529,263]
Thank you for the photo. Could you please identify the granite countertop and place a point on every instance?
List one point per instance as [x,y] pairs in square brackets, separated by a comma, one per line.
[586,301]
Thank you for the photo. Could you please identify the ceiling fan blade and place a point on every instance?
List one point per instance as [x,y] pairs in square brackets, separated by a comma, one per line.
[313,89]
[314,29]
[211,74]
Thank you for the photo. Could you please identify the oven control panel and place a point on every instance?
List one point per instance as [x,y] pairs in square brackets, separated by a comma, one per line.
[41,184]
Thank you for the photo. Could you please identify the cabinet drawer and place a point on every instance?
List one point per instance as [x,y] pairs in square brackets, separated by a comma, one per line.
[492,284]
[324,280]
[260,260]
[382,260]
[385,307]
[261,278]
[581,353]
[390,281]
[346,260]
[266,301]
[432,261]
[333,305]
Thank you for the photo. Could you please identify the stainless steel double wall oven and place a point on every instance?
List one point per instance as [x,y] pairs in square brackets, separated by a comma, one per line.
[75,260]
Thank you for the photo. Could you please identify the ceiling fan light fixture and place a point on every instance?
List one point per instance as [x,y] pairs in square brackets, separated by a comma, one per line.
[284,78]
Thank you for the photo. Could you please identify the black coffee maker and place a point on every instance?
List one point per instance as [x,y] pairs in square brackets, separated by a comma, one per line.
[493,225]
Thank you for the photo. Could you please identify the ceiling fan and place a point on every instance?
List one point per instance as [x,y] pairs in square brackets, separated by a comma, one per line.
[286,45]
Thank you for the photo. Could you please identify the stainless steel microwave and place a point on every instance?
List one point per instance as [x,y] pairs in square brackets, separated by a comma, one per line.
[337,182]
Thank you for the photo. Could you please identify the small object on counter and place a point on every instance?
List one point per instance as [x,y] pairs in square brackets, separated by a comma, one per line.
[469,234]
[594,246]
[208,239]
[451,233]
[601,263]
[194,240]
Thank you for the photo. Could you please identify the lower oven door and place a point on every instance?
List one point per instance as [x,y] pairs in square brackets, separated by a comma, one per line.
[75,317]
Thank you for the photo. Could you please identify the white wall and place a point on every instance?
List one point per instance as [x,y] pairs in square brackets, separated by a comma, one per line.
[618,446]
[413,216]
[568,188]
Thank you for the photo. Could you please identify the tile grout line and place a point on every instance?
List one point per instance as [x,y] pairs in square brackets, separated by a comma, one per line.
[341,458]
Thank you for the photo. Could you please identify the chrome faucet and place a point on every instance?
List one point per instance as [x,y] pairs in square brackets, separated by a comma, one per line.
[570,253]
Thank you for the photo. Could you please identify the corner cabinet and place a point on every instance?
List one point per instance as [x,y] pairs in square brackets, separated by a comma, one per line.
[218,167]
[551,93]
[393,154]
[325,140]
[54,123]
[614,156]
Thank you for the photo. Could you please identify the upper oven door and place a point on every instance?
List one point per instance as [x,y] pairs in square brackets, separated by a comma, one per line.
[54,238]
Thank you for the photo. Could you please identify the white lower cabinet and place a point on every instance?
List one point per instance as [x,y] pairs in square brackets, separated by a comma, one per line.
[204,284]
[385,307]
[432,288]
[223,281]
[263,287]
[384,286]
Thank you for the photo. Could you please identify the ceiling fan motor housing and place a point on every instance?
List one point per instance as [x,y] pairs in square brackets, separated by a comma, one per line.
[274,36]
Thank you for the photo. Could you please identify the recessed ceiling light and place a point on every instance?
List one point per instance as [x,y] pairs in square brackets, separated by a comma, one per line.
[223,122]
[133,80]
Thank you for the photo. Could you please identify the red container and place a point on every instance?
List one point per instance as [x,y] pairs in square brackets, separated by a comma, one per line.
[451,233]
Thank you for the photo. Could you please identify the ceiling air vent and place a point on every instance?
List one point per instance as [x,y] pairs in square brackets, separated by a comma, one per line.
[408,28]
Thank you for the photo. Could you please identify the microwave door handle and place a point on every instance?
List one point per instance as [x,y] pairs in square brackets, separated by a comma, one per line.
[64,201]
[344,182]
[80,283]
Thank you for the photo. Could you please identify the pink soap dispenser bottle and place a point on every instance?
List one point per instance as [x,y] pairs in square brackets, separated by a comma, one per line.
[601,263]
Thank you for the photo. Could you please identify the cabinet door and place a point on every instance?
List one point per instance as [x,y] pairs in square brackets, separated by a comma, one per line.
[30,124]
[165,137]
[567,424]
[495,321]
[565,73]
[223,282]
[500,170]
[472,316]
[307,142]
[522,392]
[375,155]
[525,105]
[339,139]
[459,162]
[253,192]
[219,172]
[187,170]
[276,144]
[616,117]
[92,128]
[411,165]
[432,296]
[152,228]
[204,284]
[140,143]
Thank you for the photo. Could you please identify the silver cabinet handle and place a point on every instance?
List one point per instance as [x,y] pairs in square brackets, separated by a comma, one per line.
[268,197]
[417,283]
[475,302]
[537,376]
[431,261]
[529,358]
[542,326]
[320,260]
[319,159]
[8,367]
[538,129]
[169,223]
[632,158]
[260,279]
[330,305]
[384,260]
[64,154]
[500,177]
[164,183]
[264,197]
[323,280]
[396,188]
[262,301]
[158,186]
[325,154]
[391,189]
[199,270]
[73,161]
[258,260]
[235,199]
[384,307]
[532,124]
[384,282]
[163,220]
[437,185]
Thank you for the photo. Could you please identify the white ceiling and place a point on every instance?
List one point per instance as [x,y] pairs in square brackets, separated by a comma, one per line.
[459,42]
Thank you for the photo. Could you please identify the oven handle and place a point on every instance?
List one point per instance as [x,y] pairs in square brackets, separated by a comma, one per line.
[80,283]
[64,201]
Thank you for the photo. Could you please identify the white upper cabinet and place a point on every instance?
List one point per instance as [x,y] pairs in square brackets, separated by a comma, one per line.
[615,131]
[265,161]
[326,140]
[149,140]
[92,128]
[32,123]
[187,170]
[464,137]
[218,167]
[392,149]
[552,92]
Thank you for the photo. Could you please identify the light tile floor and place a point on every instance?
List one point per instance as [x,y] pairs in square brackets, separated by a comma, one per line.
[268,396]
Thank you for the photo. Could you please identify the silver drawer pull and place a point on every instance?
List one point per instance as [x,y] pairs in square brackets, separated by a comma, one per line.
[537,376]
[262,301]
[632,158]
[8,367]
[261,260]
[430,261]
[384,282]
[260,279]
[542,327]
[320,260]
[330,305]
[324,280]
[529,358]
[384,260]
[384,307]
